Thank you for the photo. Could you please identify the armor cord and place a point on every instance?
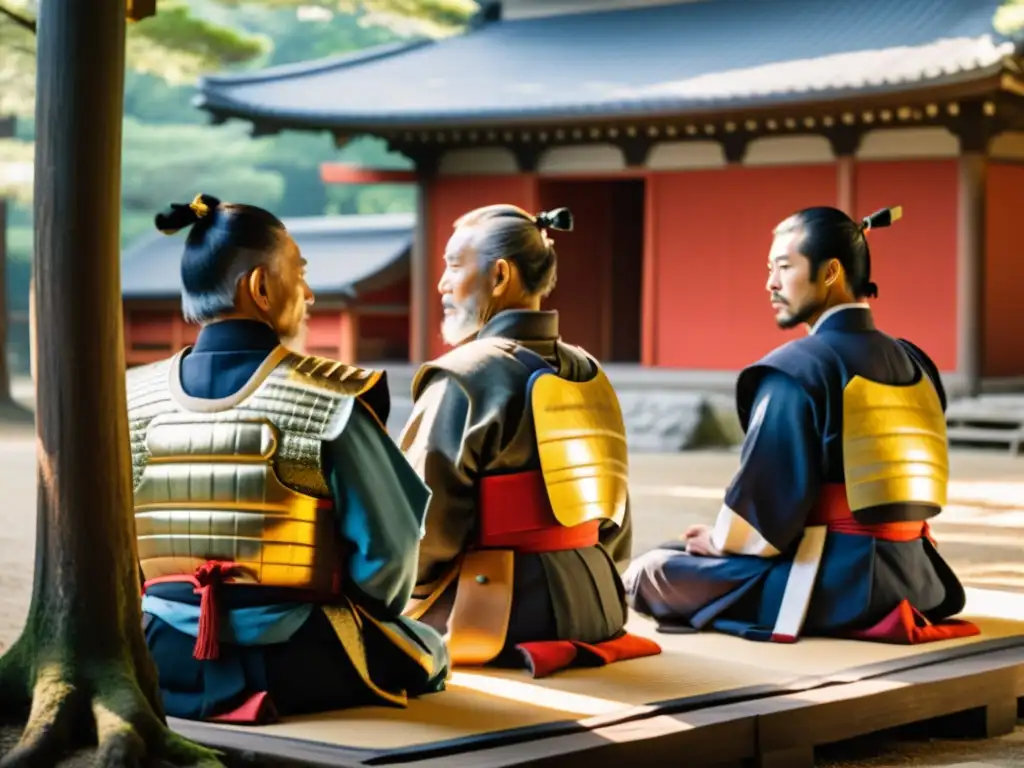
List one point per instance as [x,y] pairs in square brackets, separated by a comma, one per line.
[209,576]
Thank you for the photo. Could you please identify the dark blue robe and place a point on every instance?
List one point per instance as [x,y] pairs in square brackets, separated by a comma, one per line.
[269,642]
[791,406]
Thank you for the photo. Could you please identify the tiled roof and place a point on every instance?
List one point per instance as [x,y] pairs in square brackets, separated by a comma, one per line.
[662,59]
[346,254]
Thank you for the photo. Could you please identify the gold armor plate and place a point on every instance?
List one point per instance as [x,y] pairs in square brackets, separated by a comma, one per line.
[894,444]
[209,492]
[581,438]
[240,479]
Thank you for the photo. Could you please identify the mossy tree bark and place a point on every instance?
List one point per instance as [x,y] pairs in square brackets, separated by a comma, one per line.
[81,668]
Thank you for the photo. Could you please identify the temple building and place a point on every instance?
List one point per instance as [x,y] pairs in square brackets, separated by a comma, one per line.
[680,133]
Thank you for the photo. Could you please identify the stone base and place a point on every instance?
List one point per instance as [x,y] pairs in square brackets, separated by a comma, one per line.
[667,421]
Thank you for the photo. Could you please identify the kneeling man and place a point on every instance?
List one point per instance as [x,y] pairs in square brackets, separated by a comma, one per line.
[824,528]
[277,522]
[521,441]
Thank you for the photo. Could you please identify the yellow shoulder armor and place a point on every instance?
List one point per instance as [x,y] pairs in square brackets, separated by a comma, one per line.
[581,438]
[894,444]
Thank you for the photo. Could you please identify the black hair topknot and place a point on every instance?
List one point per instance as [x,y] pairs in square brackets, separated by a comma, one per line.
[181,215]
[559,219]
[828,233]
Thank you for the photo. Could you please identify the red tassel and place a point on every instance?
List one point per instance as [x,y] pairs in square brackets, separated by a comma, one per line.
[209,577]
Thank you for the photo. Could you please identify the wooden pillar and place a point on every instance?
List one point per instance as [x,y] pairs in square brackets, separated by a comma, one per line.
[649,277]
[846,185]
[970,265]
[421,291]
[177,333]
[845,143]
[608,311]
[974,128]
[126,323]
[348,335]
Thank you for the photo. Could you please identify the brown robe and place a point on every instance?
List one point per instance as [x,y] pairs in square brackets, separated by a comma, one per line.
[467,422]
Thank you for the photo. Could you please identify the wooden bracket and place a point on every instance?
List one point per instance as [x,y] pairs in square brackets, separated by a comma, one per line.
[973,127]
[635,151]
[527,157]
[845,141]
[734,147]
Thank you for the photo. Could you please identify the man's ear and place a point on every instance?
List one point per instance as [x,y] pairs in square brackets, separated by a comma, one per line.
[502,277]
[833,271]
[257,285]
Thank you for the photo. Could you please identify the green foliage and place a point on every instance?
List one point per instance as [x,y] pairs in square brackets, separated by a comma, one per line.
[1009,18]
[179,46]
[16,170]
[170,153]
[172,163]
[17,57]
[433,18]
[176,44]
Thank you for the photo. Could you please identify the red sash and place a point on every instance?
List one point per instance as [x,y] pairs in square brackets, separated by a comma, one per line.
[515,514]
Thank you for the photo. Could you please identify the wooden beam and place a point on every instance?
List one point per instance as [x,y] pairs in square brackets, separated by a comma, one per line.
[140,9]
[847,117]
[344,173]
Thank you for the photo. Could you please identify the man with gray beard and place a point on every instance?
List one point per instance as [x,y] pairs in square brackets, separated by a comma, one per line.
[520,438]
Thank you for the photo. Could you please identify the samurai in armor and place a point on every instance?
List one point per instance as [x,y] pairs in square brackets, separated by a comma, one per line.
[824,529]
[277,523]
[521,440]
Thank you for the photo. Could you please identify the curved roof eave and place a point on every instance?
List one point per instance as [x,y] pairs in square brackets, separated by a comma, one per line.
[223,107]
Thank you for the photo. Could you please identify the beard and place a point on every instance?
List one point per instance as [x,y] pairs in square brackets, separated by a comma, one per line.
[791,318]
[462,323]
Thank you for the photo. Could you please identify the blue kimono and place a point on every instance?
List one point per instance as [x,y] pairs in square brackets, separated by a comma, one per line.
[843,462]
[272,643]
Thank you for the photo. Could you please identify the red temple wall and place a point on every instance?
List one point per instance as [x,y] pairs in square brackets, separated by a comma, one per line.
[914,262]
[711,233]
[1004,272]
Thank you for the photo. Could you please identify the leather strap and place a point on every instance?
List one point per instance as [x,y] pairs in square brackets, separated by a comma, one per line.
[483,606]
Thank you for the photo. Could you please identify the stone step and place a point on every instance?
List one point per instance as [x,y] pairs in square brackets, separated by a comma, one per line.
[1011,437]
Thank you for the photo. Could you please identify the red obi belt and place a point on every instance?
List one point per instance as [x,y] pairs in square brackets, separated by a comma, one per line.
[833,510]
[515,513]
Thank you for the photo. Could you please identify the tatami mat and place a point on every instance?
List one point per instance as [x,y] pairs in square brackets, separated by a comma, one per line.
[480,702]
[814,656]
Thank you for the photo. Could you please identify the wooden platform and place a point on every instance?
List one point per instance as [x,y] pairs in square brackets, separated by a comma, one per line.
[989,420]
[710,698]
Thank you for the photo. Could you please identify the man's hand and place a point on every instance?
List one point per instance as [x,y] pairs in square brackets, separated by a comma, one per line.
[698,541]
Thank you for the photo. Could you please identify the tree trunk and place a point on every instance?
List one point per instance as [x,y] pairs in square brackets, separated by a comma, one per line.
[81,662]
